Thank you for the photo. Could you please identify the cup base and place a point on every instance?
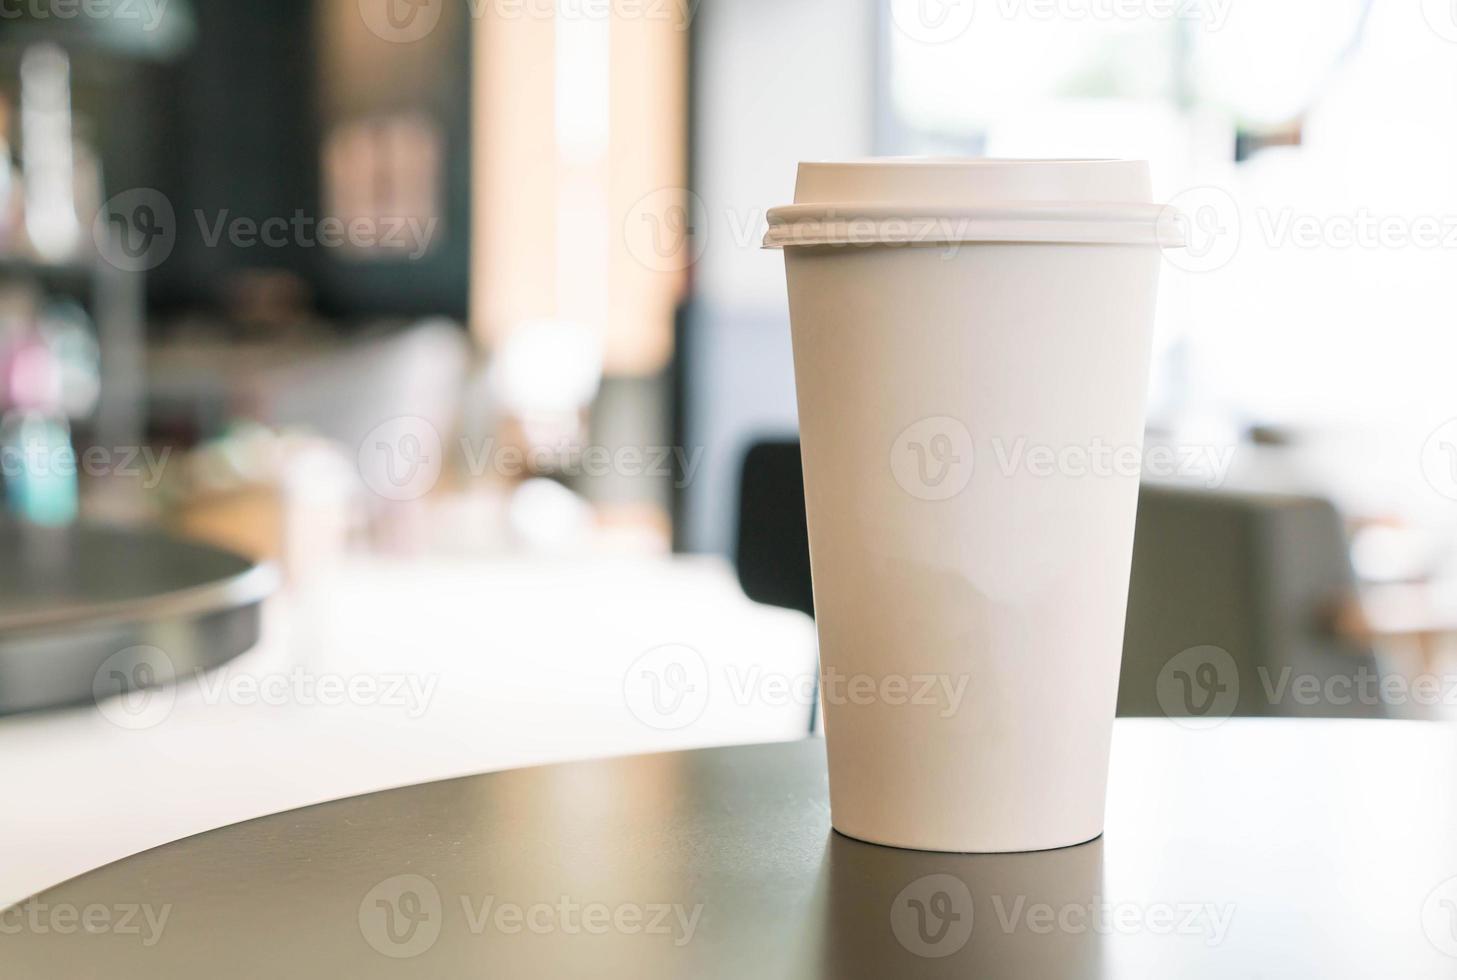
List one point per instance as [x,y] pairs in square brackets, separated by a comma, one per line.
[1078,841]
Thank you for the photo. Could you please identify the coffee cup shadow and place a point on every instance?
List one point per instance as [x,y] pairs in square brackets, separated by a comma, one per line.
[882,912]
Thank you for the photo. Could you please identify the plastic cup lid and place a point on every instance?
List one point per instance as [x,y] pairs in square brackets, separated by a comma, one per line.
[924,201]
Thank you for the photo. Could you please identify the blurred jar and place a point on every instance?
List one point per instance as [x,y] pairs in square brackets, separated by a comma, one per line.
[287,498]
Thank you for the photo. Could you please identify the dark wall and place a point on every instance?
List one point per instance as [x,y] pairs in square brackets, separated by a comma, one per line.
[236,133]
[362,76]
[235,127]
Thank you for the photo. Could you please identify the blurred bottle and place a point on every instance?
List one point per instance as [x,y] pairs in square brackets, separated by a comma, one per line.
[10,214]
[49,376]
[69,335]
[39,468]
[50,173]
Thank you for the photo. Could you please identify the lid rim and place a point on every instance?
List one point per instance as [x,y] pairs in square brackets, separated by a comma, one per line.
[1117,223]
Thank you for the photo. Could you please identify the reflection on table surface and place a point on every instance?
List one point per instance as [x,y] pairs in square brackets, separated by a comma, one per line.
[1256,848]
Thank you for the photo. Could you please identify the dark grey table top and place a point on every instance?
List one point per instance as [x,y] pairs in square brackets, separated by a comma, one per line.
[1257,849]
[88,612]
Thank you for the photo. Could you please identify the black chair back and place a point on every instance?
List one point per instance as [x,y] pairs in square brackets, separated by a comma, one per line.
[1251,575]
[773,539]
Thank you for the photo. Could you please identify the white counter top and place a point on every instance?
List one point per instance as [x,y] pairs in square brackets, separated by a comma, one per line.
[399,672]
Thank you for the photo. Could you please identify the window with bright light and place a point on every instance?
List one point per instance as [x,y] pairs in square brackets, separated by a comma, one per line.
[1312,145]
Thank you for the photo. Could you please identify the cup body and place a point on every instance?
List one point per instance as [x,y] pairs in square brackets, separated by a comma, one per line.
[972,423]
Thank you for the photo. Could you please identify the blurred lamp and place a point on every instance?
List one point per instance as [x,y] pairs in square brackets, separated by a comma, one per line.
[548,368]
[546,517]
[1269,62]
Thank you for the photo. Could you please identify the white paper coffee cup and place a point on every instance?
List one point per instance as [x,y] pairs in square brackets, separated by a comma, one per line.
[971,344]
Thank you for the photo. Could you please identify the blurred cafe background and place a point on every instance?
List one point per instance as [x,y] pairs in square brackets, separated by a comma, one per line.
[451,316]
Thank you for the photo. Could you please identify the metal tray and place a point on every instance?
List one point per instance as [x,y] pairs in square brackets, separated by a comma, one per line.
[72,599]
